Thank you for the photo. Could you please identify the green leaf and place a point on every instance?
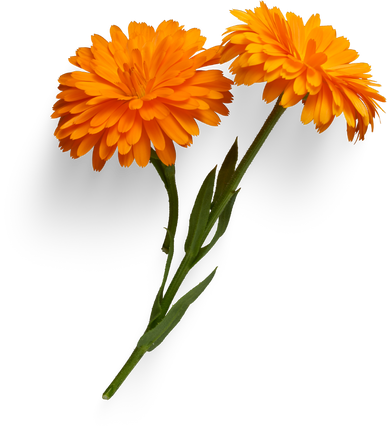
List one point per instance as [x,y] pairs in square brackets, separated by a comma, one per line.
[226,171]
[199,215]
[152,338]
[223,221]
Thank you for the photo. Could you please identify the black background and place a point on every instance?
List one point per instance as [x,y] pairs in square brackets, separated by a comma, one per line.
[292,313]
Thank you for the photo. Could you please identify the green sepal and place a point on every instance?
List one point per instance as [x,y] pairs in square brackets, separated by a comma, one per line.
[153,338]
[199,215]
[223,221]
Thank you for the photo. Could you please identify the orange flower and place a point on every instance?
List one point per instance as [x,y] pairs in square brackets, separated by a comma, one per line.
[299,59]
[137,90]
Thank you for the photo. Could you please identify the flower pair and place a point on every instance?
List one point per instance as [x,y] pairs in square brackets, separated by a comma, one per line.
[150,88]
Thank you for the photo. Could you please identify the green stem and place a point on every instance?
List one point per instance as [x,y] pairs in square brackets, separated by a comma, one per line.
[124,372]
[181,273]
[167,175]
[173,206]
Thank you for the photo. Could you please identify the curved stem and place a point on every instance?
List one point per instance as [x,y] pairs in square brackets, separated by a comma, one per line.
[167,175]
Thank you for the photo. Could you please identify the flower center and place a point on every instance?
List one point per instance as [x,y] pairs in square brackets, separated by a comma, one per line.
[138,82]
[134,80]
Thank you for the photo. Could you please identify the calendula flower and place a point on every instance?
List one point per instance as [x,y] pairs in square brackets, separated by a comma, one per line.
[137,90]
[301,60]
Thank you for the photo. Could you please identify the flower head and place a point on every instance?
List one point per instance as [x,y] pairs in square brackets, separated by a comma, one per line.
[300,60]
[137,90]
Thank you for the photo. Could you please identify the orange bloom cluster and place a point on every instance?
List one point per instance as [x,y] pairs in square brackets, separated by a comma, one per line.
[299,59]
[137,90]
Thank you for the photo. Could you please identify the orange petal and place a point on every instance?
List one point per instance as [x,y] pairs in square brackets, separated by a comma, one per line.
[309,108]
[126,121]
[230,52]
[174,130]
[289,97]
[313,77]
[146,111]
[317,59]
[112,136]
[299,85]
[272,75]
[135,104]
[273,63]
[141,150]
[63,133]
[313,22]
[65,144]
[293,65]
[116,115]
[104,149]
[123,146]
[324,126]
[186,120]
[87,115]
[326,113]
[74,148]
[104,112]
[349,113]
[341,58]
[118,37]
[207,116]
[168,154]
[338,102]
[256,59]
[80,131]
[134,133]
[155,134]
[98,163]
[273,89]
[350,132]
[355,100]
[88,142]
[72,95]
[127,159]
[160,110]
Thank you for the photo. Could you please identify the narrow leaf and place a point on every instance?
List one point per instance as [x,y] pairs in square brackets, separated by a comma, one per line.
[199,215]
[154,337]
[223,221]
[226,171]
